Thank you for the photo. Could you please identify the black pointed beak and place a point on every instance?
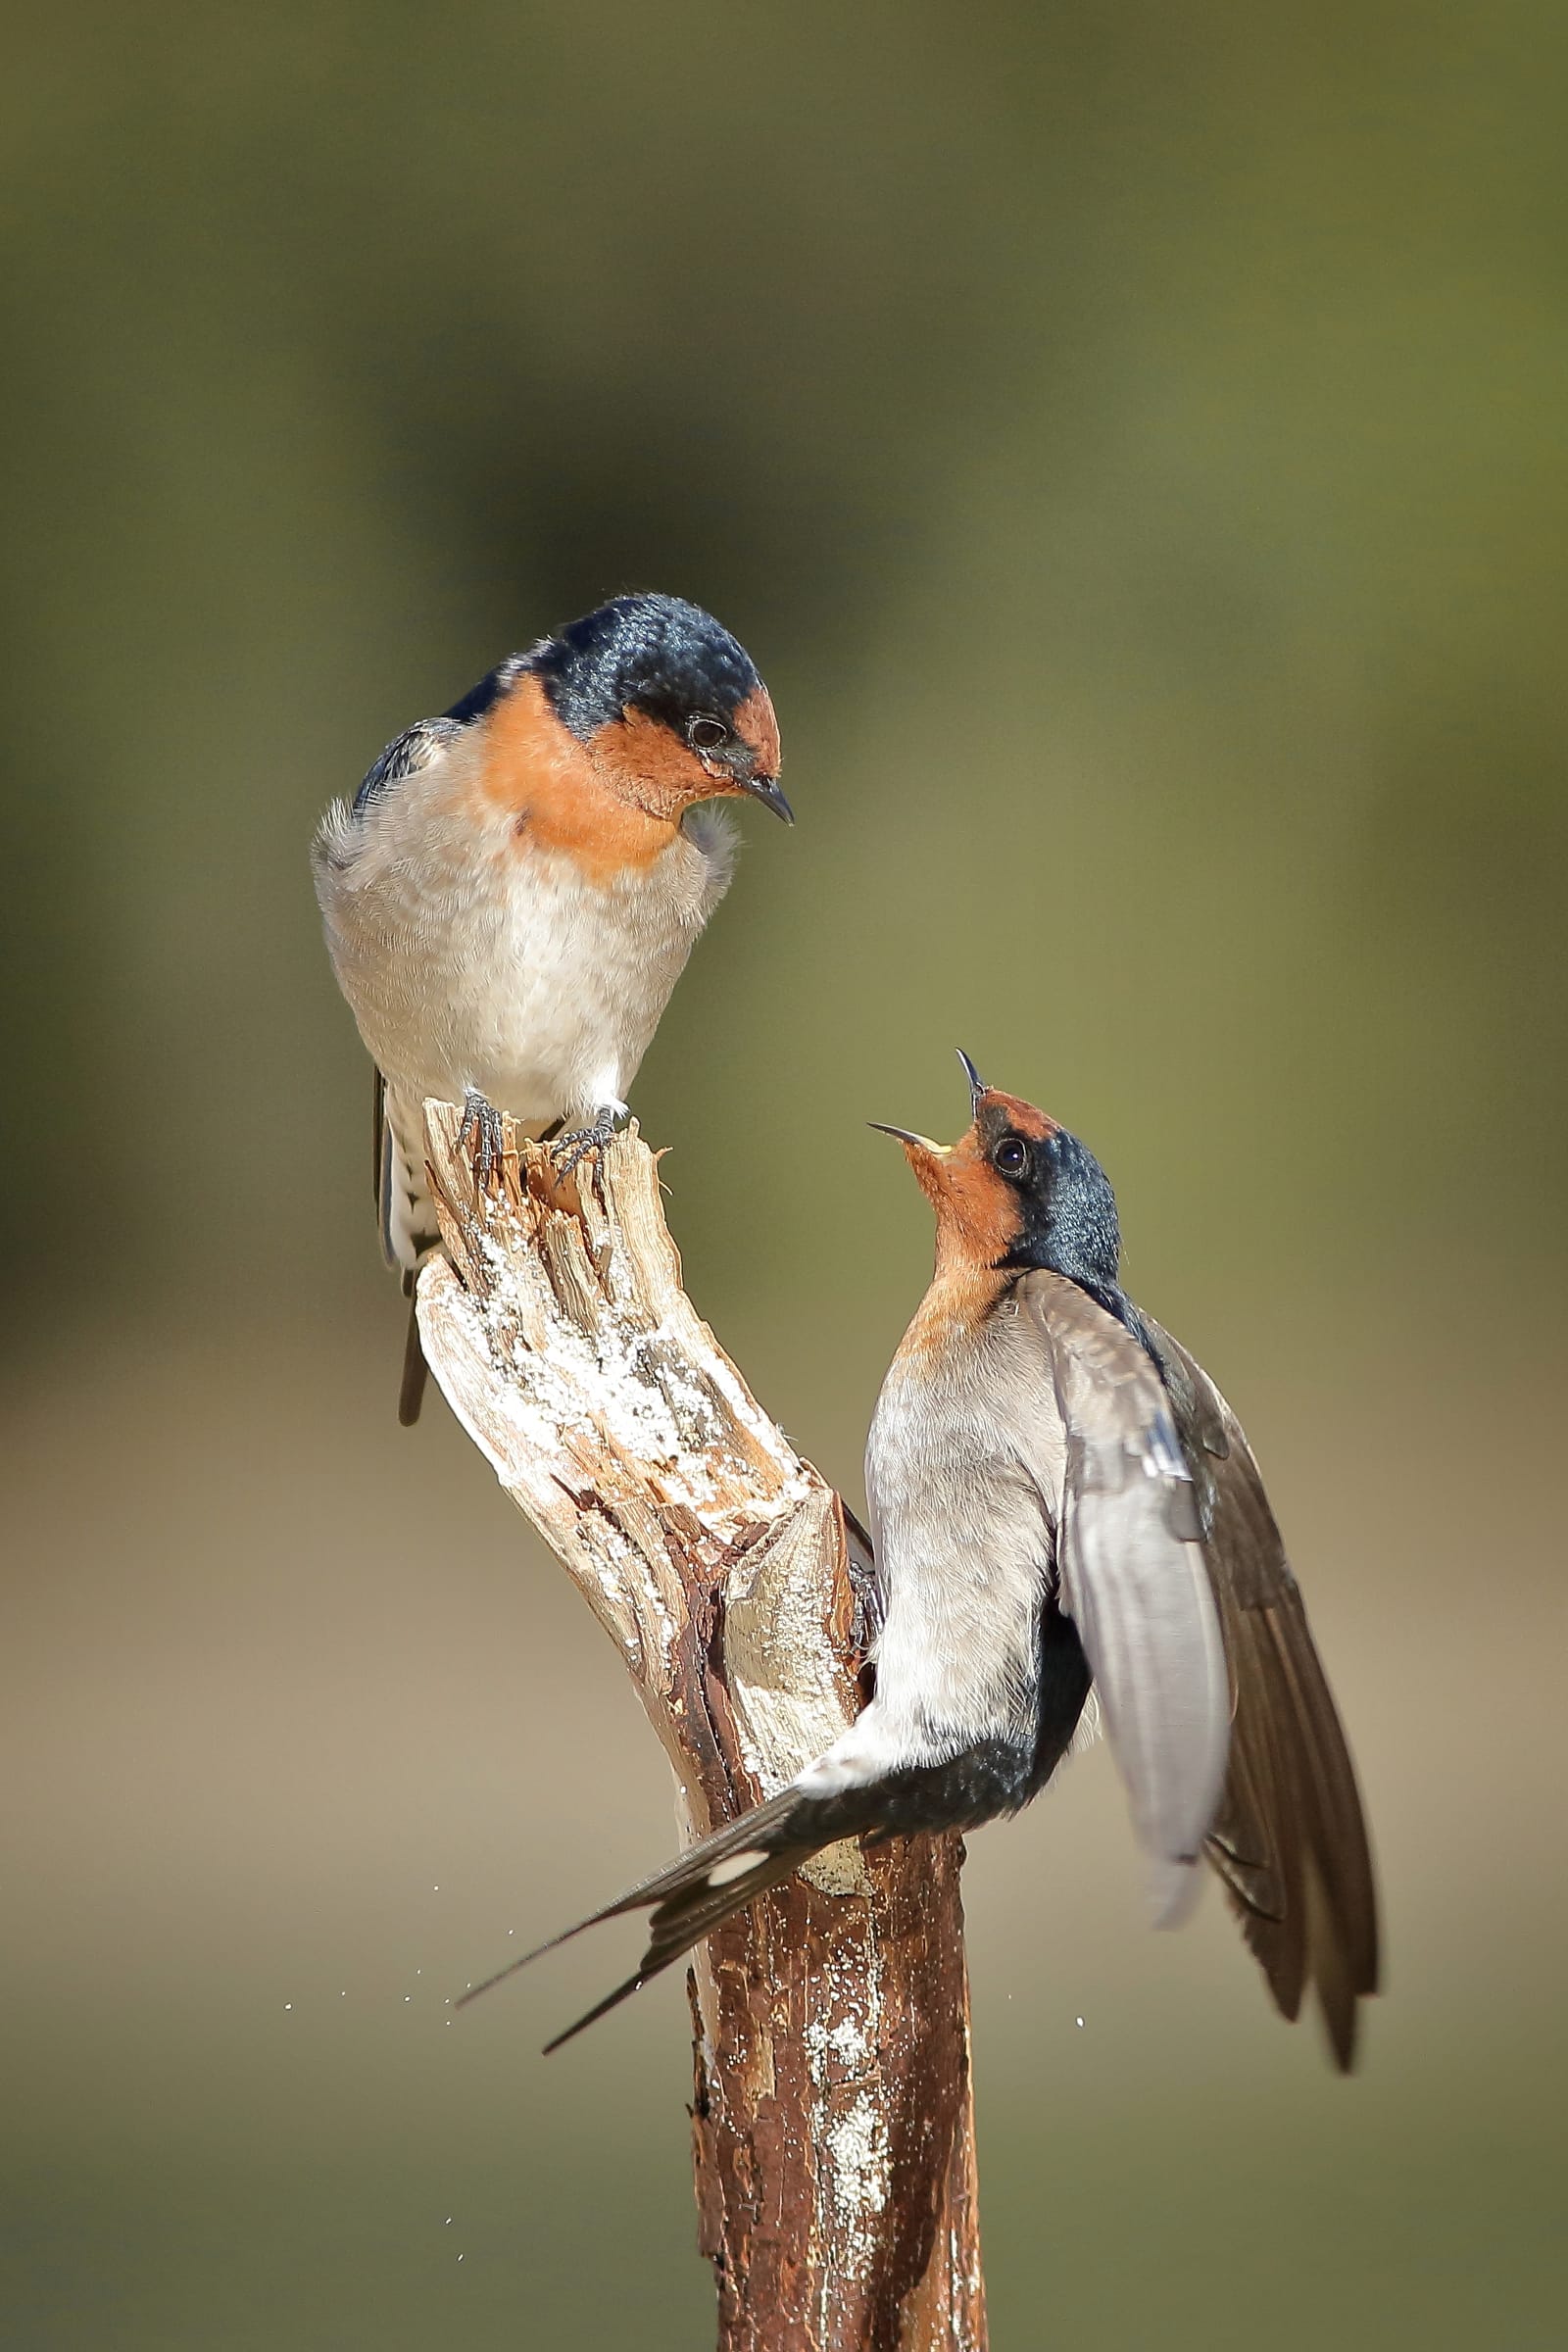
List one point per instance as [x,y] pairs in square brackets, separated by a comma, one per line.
[977,1085]
[766,789]
[905,1135]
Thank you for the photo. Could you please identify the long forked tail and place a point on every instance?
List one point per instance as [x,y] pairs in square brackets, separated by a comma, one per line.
[695,1895]
[416,1371]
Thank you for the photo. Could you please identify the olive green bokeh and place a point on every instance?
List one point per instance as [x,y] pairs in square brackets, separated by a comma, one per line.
[1130,442]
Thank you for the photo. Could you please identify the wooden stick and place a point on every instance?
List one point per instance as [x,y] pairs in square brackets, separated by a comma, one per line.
[832,2123]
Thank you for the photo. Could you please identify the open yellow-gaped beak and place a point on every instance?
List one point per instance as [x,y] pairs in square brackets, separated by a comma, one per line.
[906,1135]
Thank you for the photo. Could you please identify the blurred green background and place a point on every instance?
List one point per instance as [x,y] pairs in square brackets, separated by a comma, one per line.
[1131,443]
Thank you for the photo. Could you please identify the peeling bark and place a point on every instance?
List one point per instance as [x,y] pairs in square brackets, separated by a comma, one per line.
[832,2123]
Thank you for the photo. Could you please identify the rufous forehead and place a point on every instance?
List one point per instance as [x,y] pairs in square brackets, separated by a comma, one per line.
[1021,1115]
[757,726]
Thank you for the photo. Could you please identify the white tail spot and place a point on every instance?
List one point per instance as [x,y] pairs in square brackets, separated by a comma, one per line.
[735,1866]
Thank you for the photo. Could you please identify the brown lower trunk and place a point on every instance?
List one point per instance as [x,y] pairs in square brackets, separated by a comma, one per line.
[832,2122]
[833,2125]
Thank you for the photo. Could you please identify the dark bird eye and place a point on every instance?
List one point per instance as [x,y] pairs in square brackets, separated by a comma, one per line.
[706,734]
[1010,1155]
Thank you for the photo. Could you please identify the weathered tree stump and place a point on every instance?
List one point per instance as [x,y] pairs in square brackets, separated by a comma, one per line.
[832,2122]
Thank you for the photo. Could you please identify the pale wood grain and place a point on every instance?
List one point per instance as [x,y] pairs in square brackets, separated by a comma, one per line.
[832,2119]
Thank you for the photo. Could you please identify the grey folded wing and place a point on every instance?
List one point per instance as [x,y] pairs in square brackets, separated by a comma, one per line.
[416,748]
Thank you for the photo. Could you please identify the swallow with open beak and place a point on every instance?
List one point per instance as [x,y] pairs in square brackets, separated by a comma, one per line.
[1061,1501]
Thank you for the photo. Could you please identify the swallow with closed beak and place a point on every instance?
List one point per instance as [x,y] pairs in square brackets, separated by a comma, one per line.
[513,892]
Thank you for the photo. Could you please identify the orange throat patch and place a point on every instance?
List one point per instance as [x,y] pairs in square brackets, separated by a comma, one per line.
[559,797]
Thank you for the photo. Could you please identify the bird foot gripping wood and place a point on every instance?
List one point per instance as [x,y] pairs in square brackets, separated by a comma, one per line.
[483,1129]
[832,2123]
[567,1151]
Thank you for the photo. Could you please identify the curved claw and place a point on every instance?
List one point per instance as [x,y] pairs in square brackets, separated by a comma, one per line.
[481,1126]
[568,1151]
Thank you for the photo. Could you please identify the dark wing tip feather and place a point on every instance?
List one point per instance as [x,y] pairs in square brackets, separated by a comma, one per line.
[1290,1844]
[1340,2007]
[1310,1916]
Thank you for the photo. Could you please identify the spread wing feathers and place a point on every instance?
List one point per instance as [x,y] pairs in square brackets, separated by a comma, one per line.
[697,1892]
[1290,1841]
[1135,1582]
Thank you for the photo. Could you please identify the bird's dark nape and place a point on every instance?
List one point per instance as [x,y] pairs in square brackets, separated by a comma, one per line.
[1068,1219]
[492,687]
